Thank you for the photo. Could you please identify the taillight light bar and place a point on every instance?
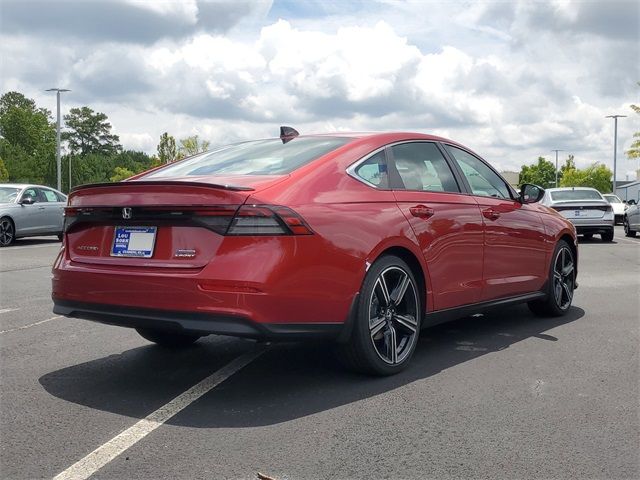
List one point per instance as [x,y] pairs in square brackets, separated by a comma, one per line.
[232,220]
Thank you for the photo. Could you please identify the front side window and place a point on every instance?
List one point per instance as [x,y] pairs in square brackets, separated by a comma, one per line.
[374,170]
[422,167]
[31,192]
[260,157]
[483,181]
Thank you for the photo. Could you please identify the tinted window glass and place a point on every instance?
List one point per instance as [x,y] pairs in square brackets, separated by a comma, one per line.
[422,167]
[576,195]
[612,199]
[484,182]
[31,192]
[374,170]
[61,197]
[49,195]
[261,157]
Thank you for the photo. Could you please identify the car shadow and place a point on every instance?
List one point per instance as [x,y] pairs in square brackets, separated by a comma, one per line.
[24,242]
[286,382]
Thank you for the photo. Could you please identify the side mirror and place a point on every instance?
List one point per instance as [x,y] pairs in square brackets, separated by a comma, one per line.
[631,202]
[530,193]
[27,200]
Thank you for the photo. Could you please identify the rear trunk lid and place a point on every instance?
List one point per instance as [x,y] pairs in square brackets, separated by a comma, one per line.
[170,223]
[579,209]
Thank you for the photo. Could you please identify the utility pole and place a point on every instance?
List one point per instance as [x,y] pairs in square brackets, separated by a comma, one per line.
[615,147]
[58,164]
[557,165]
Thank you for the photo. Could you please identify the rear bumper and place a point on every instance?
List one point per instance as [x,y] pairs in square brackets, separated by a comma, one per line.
[194,322]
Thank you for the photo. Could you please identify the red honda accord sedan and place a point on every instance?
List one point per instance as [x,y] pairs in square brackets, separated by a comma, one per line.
[363,238]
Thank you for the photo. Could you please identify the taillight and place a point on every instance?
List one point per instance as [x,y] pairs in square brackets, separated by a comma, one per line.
[267,220]
[222,219]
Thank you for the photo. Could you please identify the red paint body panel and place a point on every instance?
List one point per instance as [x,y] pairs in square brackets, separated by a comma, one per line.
[464,256]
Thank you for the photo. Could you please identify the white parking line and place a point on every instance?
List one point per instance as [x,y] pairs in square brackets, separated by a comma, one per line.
[121,442]
[7,310]
[30,325]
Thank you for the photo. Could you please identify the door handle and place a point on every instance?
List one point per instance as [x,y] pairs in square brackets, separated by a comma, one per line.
[422,211]
[40,208]
[491,214]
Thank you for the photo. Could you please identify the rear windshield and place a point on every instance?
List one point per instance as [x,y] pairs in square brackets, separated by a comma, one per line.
[8,194]
[260,157]
[612,199]
[576,195]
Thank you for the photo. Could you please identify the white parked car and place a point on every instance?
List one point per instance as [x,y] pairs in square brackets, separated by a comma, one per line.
[618,206]
[585,207]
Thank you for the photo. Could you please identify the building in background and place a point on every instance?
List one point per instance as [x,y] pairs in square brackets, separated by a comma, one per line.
[628,190]
[511,177]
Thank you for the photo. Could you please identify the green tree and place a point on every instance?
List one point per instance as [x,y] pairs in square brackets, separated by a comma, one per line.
[4,174]
[27,140]
[167,150]
[192,145]
[596,176]
[89,132]
[634,150]
[120,173]
[542,173]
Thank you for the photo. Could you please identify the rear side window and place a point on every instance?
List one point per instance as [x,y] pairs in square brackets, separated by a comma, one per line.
[374,171]
[422,167]
[49,195]
[483,181]
[260,157]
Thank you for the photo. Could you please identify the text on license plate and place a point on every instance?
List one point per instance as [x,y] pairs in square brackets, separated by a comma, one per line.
[133,241]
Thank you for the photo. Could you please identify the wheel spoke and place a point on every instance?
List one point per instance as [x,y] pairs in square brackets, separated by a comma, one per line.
[382,287]
[407,322]
[391,345]
[568,270]
[377,325]
[567,291]
[400,289]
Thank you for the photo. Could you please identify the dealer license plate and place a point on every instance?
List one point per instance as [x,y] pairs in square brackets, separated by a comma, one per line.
[134,242]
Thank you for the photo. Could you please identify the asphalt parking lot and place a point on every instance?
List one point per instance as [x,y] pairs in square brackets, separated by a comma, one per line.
[505,395]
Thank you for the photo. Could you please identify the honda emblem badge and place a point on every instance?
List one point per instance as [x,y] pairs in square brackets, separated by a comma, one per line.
[126,213]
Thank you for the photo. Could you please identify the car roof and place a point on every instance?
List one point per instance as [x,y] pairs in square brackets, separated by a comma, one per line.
[25,185]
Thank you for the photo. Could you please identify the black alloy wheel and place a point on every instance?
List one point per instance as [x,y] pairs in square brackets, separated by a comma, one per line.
[387,326]
[7,232]
[561,284]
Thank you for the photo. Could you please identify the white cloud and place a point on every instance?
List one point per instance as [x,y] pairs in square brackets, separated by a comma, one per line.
[512,80]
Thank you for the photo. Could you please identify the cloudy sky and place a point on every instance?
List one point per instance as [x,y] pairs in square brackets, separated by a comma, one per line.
[512,80]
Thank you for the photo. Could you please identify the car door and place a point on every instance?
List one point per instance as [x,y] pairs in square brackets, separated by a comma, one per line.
[29,218]
[53,211]
[446,222]
[515,242]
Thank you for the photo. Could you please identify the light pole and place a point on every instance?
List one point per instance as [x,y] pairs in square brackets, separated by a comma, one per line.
[557,165]
[615,146]
[58,165]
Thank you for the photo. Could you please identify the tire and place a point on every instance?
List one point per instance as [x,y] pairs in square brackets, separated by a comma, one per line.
[607,237]
[587,236]
[561,284]
[387,321]
[627,230]
[166,338]
[7,232]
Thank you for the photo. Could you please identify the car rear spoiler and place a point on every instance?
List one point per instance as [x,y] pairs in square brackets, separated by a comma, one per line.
[235,188]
